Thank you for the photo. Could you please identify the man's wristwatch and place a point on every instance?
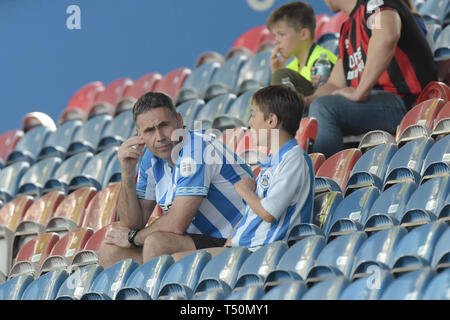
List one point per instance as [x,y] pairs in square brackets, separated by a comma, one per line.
[131,235]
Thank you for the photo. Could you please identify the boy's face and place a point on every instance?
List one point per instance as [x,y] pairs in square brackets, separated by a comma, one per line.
[287,40]
[261,126]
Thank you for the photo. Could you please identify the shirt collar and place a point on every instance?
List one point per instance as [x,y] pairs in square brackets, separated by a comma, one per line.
[272,160]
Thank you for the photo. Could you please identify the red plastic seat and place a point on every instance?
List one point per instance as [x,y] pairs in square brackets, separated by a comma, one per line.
[334,24]
[321,21]
[339,166]
[442,121]
[172,82]
[434,90]
[43,209]
[307,133]
[317,159]
[107,100]
[12,213]
[209,57]
[248,149]
[81,102]
[72,242]
[418,122]
[144,84]
[38,249]
[231,137]
[102,209]
[251,40]
[8,141]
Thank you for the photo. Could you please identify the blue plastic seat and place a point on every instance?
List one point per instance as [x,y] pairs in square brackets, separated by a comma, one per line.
[194,87]
[58,142]
[416,248]
[259,264]
[409,286]
[371,168]
[329,289]
[292,290]
[79,282]
[435,10]
[34,179]
[225,79]
[330,41]
[442,45]
[237,114]
[189,110]
[351,213]
[69,169]
[444,210]
[88,135]
[441,255]
[45,287]
[251,292]
[97,171]
[29,146]
[118,130]
[388,209]
[214,294]
[378,251]
[438,287]
[436,161]
[337,258]
[110,281]
[10,178]
[255,73]
[144,282]
[14,288]
[222,270]
[182,277]
[215,106]
[425,201]
[369,287]
[297,261]
[406,164]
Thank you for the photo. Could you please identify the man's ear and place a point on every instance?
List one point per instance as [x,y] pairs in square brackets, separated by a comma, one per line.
[180,120]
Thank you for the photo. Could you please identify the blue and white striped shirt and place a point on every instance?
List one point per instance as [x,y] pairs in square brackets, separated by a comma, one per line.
[205,167]
[285,186]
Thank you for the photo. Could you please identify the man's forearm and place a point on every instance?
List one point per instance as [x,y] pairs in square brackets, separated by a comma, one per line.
[129,209]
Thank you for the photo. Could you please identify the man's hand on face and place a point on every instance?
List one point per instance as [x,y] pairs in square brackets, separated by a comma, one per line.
[129,153]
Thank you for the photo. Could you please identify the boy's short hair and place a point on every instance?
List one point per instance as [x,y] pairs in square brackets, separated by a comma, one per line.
[282,101]
[153,100]
[297,15]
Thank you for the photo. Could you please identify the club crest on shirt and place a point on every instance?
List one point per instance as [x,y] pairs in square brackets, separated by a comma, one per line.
[187,167]
[264,181]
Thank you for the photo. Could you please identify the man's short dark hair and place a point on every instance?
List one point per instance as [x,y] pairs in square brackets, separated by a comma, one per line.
[282,101]
[297,15]
[153,100]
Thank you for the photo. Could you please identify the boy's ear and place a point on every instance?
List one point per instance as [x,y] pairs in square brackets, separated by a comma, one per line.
[305,34]
[273,121]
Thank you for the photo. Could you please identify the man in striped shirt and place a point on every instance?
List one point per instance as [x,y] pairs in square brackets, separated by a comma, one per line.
[385,62]
[190,175]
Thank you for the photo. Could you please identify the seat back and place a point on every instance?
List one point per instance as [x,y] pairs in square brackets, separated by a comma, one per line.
[252,39]
[435,163]
[189,110]
[172,82]
[410,286]
[82,100]
[441,124]
[34,179]
[10,178]
[106,101]
[45,287]
[8,141]
[214,107]
[28,147]
[329,289]
[255,73]
[58,142]
[118,130]
[14,288]
[12,213]
[307,133]
[79,282]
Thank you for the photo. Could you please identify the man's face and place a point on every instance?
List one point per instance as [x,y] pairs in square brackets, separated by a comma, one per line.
[287,39]
[156,127]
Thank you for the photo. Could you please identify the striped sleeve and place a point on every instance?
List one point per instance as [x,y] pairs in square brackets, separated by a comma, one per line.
[145,186]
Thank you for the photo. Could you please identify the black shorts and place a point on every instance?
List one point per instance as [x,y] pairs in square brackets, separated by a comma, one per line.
[203,241]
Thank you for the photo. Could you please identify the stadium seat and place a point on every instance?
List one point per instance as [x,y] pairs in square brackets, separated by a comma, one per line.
[69,169]
[369,287]
[441,125]
[371,168]
[259,264]
[292,290]
[406,164]
[325,205]
[36,119]
[317,159]
[8,141]
[196,84]
[106,101]
[387,210]
[222,270]
[14,288]
[29,146]
[329,289]
[418,122]
[434,90]
[374,138]
[144,84]
[410,286]
[425,201]
[189,110]
[32,182]
[434,10]
[248,150]
[32,255]
[58,141]
[231,137]
[144,282]
[441,255]
[335,171]
[209,57]
[182,276]
[88,135]
[46,286]
[117,131]
[81,102]
[255,73]
[70,213]
[437,288]
[225,79]
[10,178]
[110,281]
[79,282]
[416,248]
[444,211]
[251,292]
[337,257]
[377,251]
[351,213]
[251,40]
[321,20]
[307,133]
[216,106]
[216,294]
[172,82]
[332,25]
[436,161]
[296,261]
[330,41]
